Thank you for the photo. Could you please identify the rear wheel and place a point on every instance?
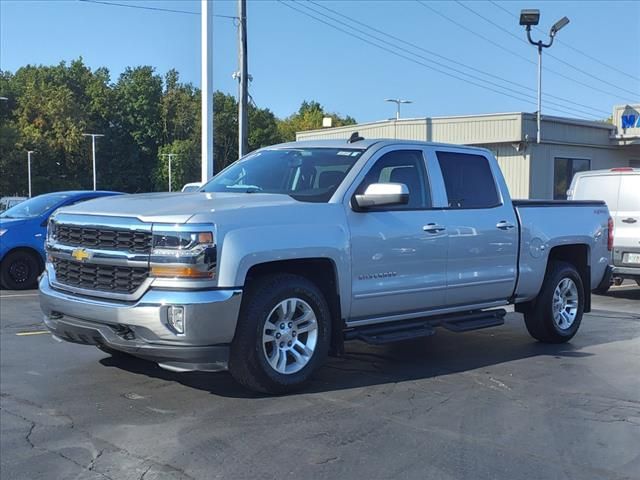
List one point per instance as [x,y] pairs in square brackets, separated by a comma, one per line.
[20,270]
[556,313]
[282,335]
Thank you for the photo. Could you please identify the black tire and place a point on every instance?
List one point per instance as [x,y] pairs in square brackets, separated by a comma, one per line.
[539,318]
[248,362]
[20,270]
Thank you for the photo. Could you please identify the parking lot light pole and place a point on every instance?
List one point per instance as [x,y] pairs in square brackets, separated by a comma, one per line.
[170,155]
[29,169]
[529,18]
[397,101]
[93,149]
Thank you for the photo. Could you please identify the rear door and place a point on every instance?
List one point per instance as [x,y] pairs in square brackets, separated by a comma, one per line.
[626,251]
[482,228]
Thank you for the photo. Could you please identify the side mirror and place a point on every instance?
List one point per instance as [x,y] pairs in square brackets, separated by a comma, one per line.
[382,194]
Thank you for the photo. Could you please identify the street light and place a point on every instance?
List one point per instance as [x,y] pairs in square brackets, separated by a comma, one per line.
[29,169]
[529,18]
[93,149]
[397,101]
[170,155]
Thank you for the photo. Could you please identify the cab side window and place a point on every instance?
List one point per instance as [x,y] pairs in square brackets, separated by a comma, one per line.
[468,180]
[402,166]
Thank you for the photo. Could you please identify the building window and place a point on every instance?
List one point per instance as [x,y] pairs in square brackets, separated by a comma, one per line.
[563,171]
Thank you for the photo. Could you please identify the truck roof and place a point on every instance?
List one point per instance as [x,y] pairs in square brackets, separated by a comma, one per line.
[365,144]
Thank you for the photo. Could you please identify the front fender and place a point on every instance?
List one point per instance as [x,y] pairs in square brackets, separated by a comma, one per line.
[244,248]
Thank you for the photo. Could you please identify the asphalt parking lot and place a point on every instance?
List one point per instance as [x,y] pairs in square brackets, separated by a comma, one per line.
[486,404]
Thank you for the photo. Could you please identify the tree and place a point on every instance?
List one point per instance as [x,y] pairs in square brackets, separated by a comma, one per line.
[309,117]
[137,124]
[142,116]
[185,166]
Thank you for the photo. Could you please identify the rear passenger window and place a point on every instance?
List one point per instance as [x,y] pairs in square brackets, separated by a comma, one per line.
[468,180]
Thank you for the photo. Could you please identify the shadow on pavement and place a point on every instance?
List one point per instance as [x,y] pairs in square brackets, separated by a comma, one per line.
[365,365]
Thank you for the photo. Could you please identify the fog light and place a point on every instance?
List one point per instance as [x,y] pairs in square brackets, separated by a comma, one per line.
[175,316]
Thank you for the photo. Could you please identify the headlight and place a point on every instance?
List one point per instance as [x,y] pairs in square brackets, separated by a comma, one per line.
[182,241]
[51,230]
[183,254]
[3,231]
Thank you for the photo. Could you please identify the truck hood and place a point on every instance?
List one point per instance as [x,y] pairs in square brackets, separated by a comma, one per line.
[174,207]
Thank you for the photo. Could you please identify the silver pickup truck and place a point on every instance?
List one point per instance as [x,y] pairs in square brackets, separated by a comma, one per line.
[297,248]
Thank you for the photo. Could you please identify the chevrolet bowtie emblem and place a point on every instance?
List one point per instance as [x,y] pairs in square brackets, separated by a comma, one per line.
[80,254]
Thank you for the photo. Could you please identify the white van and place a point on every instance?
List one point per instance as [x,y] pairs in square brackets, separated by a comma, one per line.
[620,189]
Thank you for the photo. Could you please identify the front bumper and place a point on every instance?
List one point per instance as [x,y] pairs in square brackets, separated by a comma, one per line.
[141,328]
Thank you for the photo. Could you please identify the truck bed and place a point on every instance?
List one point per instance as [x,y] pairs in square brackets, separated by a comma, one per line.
[568,223]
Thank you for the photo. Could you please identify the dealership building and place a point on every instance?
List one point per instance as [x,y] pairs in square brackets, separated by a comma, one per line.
[531,170]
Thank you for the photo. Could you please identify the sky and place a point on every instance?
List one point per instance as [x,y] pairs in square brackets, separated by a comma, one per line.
[446,51]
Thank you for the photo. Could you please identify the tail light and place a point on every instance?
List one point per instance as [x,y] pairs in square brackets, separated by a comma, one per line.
[610,235]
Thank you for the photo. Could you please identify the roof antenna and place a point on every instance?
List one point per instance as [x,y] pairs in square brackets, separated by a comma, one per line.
[355,137]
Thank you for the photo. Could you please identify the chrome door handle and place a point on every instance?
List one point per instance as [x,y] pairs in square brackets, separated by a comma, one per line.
[433,228]
[505,225]
[629,220]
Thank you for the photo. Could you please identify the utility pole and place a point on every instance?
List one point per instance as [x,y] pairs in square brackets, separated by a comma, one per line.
[243,118]
[206,89]
[29,169]
[93,150]
[170,155]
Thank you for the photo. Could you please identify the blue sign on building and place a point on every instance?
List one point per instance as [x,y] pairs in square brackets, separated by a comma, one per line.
[630,121]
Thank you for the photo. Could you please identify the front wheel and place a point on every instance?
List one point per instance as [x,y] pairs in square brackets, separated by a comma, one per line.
[556,313]
[20,270]
[282,335]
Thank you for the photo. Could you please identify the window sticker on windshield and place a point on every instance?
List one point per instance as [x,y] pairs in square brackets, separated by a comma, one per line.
[345,153]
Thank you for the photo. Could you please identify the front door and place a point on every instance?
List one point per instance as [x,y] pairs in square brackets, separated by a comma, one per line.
[399,252]
[483,231]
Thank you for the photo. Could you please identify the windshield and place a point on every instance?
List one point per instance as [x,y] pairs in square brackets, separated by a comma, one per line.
[34,207]
[306,174]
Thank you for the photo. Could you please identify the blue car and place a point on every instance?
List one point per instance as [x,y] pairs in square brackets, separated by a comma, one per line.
[23,229]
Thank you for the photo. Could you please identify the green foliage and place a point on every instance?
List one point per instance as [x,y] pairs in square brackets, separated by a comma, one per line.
[142,116]
[309,117]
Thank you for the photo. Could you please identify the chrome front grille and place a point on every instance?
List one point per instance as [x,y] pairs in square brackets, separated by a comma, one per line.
[134,241]
[105,278]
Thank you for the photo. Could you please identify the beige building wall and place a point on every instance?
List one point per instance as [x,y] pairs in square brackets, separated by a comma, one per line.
[544,155]
[528,168]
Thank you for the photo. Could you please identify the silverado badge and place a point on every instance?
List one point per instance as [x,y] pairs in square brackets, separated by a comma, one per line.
[80,254]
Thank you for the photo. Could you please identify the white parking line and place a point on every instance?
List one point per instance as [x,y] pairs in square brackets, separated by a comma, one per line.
[20,295]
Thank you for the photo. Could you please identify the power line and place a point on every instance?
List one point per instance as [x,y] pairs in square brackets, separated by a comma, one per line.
[401,55]
[418,47]
[157,9]
[514,53]
[519,38]
[577,50]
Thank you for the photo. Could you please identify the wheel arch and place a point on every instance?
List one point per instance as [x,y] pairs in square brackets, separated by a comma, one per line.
[578,255]
[323,273]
